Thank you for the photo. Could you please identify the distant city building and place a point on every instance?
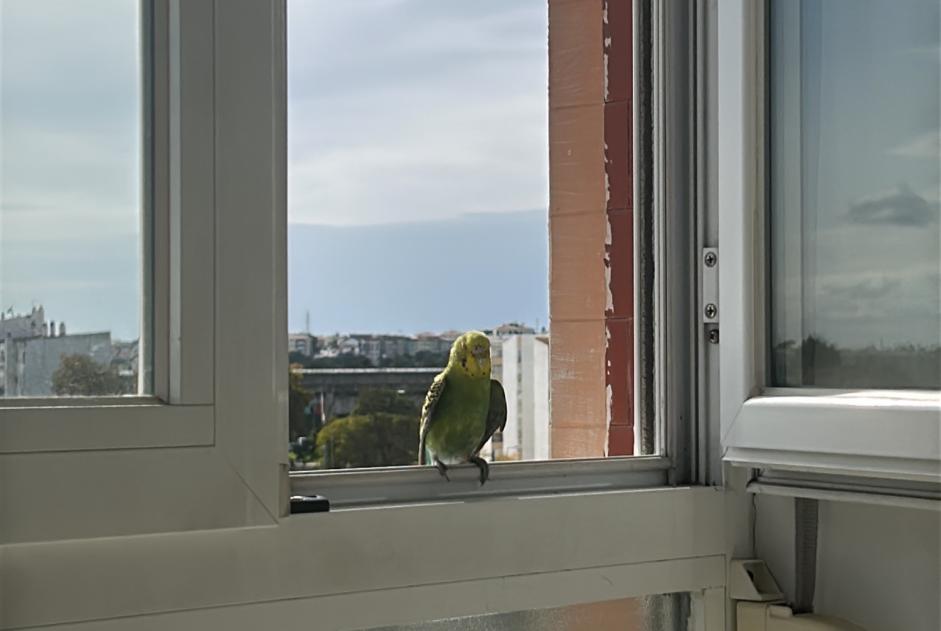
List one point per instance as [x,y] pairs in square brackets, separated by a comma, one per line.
[32,324]
[541,430]
[377,347]
[497,335]
[31,349]
[431,343]
[303,343]
[125,358]
[450,336]
[521,364]
[512,328]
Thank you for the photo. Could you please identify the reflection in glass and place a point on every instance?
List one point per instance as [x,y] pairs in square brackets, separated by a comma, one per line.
[659,612]
[855,235]
[70,197]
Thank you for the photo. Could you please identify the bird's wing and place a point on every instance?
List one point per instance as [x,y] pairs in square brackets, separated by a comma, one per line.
[428,411]
[496,414]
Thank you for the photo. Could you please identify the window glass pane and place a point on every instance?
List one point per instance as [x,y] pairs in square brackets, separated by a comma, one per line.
[70,197]
[659,612]
[855,236]
[417,208]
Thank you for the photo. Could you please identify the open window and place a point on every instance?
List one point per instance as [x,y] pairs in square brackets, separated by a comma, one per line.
[422,202]
[830,246]
[400,545]
[106,334]
[116,140]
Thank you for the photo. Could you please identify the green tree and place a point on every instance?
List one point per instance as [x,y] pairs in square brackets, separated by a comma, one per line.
[296,357]
[373,440]
[80,375]
[384,401]
[300,422]
[381,432]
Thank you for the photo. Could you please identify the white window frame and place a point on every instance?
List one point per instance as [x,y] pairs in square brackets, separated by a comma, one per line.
[178,218]
[893,435]
[194,455]
[164,536]
[357,568]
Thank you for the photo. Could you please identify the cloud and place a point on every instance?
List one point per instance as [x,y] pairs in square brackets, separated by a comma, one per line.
[453,120]
[70,120]
[901,208]
[399,110]
[862,308]
[869,288]
[924,145]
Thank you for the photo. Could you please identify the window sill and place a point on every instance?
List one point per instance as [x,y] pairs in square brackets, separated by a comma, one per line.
[876,434]
[73,426]
[670,539]
[402,485]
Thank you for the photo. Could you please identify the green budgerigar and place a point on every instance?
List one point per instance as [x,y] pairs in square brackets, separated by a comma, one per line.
[463,408]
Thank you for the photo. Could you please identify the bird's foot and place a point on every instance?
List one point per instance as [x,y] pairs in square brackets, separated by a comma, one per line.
[484,468]
[442,469]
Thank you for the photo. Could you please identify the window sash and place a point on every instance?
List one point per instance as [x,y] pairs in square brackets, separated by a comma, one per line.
[178,215]
[666,334]
[198,455]
[497,555]
[866,433]
[391,485]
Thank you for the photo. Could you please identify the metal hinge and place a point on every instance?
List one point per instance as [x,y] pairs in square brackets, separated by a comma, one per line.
[709,292]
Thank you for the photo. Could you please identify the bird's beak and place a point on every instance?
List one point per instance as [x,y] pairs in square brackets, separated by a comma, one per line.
[480,355]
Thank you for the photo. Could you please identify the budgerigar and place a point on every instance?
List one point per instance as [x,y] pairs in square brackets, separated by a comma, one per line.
[463,408]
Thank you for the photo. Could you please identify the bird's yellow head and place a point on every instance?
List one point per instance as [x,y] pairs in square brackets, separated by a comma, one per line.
[470,354]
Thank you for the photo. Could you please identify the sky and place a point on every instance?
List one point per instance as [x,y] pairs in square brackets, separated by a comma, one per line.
[70,161]
[416,110]
[418,164]
[402,276]
[426,119]
[401,112]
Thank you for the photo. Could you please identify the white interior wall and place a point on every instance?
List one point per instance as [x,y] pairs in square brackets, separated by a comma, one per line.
[878,566]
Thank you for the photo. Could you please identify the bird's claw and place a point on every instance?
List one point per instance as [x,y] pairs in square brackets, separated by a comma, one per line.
[442,469]
[484,468]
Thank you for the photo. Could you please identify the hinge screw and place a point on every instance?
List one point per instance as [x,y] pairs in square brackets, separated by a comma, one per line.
[713,336]
[711,310]
[710,259]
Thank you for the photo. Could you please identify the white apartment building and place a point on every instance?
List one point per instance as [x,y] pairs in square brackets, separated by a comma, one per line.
[524,373]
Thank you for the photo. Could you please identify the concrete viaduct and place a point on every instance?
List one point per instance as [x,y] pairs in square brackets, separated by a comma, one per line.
[338,388]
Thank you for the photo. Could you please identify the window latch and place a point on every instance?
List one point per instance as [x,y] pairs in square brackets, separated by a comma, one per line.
[709,291]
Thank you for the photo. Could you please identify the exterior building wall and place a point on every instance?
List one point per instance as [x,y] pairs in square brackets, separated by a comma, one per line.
[526,401]
[541,404]
[31,362]
[591,227]
[512,444]
[20,326]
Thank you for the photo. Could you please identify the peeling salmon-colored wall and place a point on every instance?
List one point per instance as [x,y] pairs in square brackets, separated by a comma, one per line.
[619,262]
[590,227]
